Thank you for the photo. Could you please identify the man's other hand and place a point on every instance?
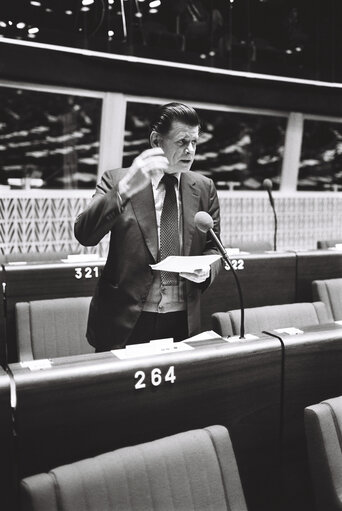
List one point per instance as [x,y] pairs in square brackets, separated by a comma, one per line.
[197,276]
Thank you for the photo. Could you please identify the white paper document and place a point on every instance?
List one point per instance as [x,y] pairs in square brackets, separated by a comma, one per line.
[289,330]
[154,347]
[203,336]
[185,264]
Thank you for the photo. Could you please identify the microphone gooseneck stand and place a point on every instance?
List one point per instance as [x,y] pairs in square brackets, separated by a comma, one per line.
[204,223]
[268,185]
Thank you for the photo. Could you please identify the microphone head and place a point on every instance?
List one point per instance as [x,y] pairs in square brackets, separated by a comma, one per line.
[267,184]
[203,221]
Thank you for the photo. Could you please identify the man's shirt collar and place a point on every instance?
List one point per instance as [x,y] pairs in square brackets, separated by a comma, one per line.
[158,175]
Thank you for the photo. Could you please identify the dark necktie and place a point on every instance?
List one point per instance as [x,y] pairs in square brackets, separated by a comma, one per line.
[169,232]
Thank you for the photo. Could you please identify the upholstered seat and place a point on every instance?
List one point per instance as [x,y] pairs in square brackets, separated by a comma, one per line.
[193,470]
[323,426]
[52,328]
[270,317]
[330,293]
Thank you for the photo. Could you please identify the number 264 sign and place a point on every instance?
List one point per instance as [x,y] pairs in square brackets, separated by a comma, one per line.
[155,376]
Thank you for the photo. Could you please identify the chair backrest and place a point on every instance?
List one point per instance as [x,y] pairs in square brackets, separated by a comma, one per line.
[330,293]
[323,426]
[52,328]
[192,470]
[328,243]
[270,317]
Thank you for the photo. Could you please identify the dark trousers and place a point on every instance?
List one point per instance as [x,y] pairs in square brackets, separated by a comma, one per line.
[152,325]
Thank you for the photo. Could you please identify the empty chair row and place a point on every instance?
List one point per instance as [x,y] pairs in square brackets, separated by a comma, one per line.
[270,317]
[55,328]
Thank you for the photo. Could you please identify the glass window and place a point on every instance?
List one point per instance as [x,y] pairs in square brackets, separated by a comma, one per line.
[294,38]
[321,156]
[237,150]
[48,140]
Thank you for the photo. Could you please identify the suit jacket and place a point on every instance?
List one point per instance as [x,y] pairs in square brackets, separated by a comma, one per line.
[127,277]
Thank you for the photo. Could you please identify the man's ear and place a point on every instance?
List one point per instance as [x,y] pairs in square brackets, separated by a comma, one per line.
[154,139]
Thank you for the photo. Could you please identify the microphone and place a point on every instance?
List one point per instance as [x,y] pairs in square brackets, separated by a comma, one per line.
[205,223]
[268,185]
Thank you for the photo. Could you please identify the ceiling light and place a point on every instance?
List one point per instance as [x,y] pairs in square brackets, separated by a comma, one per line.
[153,11]
[138,15]
[68,13]
[298,48]
[85,9]
[110,33]
[33,30]
[35,3]
[48,9]
[155,3]
[21,24]
[87,2]
[3,24]
[10,23]
[110,2]
[289,52]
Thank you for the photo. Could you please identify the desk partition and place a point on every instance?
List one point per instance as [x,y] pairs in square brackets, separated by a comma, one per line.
[316,265]
[265,279]
[85,405]
[8,492]
[39,281]
[312,373]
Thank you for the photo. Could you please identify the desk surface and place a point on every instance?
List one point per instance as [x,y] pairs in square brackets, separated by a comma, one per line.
[89,404]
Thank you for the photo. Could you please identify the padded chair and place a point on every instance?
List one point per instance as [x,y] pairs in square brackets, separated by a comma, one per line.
[323,426]
[270,317]
[330,293]
[328,243]
[192,470]
[52,328]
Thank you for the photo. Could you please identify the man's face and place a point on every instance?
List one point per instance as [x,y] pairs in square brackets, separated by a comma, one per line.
[179,146]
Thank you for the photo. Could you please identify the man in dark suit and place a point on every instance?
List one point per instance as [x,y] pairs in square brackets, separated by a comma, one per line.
[133,303]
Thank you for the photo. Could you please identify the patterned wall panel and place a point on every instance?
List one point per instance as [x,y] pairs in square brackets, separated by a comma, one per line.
[302,219]
[45,224]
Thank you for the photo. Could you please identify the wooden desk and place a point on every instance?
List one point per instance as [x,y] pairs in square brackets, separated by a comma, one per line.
[85,405]
[316,265]
[312,373]
[265,279]
[39,281]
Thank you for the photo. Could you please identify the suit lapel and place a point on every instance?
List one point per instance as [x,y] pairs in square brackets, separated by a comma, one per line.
[144,210]
[190,200]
